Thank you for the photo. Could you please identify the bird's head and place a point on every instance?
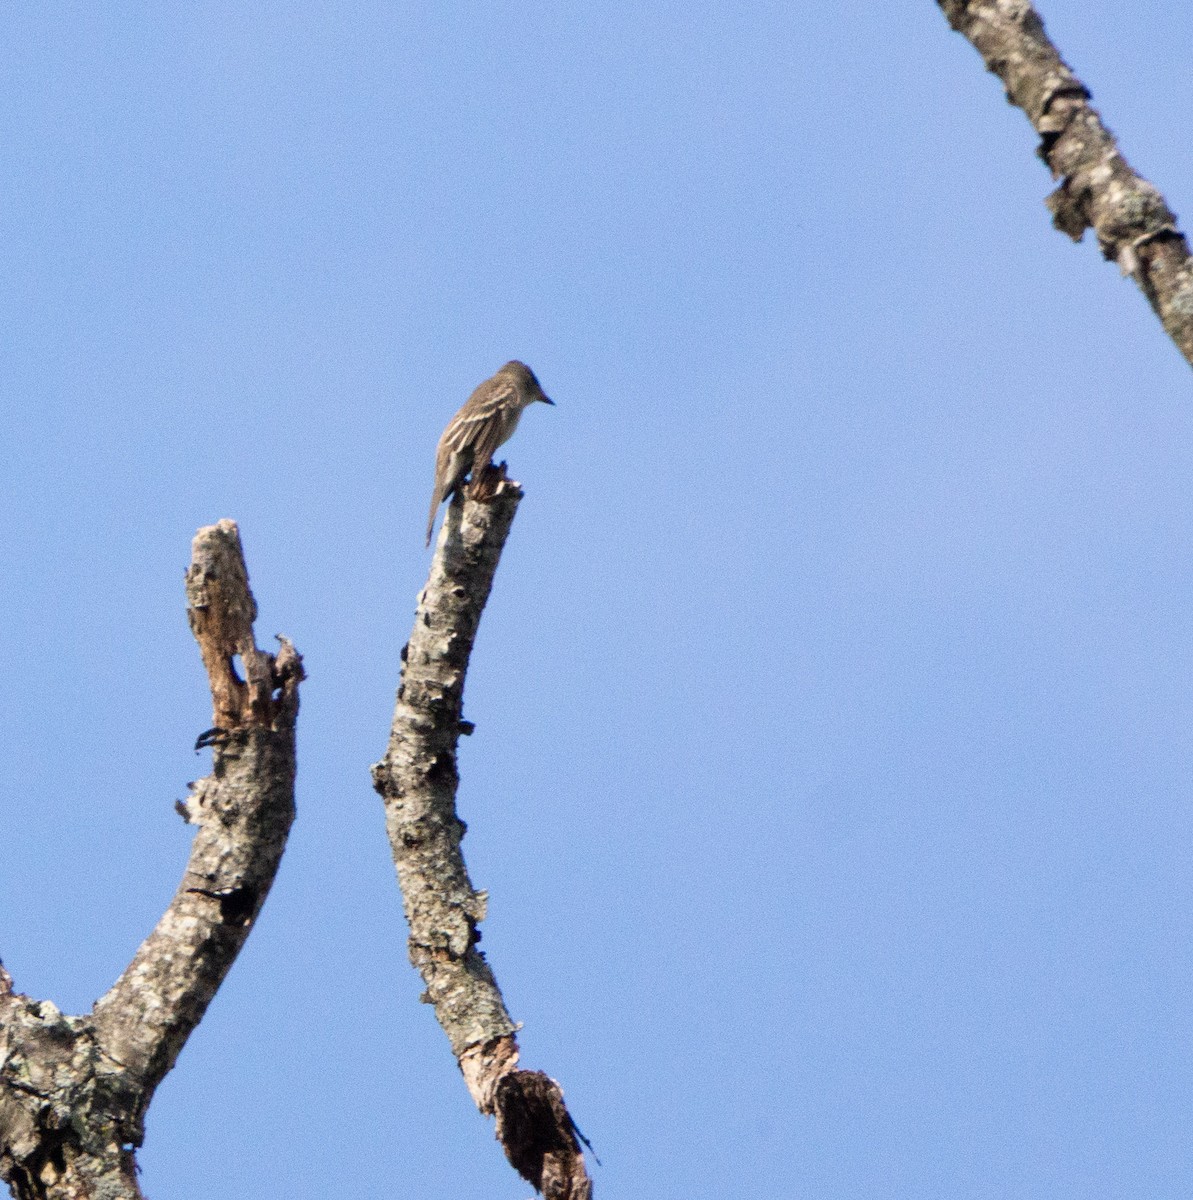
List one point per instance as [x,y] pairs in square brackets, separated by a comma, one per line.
[529,388]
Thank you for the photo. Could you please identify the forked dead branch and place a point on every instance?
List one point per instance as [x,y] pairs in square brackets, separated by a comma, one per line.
[417,779]
[74,1090]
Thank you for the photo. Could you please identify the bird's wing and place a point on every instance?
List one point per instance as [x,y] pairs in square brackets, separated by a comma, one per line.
[483,423]
[479,420]
[471,437]
[491,435]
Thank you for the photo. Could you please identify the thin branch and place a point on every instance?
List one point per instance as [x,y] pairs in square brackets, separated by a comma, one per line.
[1098,190]
[417,779]
[74,1090]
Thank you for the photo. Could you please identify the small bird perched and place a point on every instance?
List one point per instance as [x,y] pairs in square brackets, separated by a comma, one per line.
[488,418]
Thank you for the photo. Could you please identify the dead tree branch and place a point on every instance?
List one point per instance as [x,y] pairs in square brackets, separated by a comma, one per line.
[1098,189]
[74,1090]
[417,779]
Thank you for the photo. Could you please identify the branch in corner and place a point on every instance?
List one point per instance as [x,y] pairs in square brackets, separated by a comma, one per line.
[1098,189]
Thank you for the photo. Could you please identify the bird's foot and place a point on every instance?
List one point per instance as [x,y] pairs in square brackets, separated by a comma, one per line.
[487,483]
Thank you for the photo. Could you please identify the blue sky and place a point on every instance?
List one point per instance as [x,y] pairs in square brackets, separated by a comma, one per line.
[831,773]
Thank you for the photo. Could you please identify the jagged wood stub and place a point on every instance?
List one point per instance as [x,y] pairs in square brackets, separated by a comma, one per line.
[417,779]
[1098,189]
[74,1089]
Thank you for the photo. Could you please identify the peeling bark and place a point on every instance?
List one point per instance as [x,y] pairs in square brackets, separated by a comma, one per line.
[74,1090]
[1098,189]
[417,779]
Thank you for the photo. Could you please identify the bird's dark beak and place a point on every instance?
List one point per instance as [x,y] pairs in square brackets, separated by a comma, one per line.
[547,400]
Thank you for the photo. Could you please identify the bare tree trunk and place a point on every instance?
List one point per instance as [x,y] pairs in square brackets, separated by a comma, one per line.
[1098,190]
[417,779]
[74,1090]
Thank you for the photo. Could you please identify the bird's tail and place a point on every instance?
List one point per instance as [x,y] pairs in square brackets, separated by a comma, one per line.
[436,500]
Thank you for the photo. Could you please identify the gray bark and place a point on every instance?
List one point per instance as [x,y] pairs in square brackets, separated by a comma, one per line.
[417,779]
[1098,189]
[74,1090]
